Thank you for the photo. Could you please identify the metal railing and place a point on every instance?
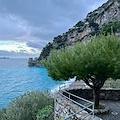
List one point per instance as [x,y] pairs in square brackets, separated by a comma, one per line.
[89,106]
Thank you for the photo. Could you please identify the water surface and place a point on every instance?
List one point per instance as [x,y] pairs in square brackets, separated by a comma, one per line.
[16,78]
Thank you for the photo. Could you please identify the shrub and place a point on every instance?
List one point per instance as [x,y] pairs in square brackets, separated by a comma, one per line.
[46,113]
[27,106]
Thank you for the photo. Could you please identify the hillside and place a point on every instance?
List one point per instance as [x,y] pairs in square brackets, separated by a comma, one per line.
[84,29]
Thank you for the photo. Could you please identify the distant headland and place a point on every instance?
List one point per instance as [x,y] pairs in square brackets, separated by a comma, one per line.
[4,58]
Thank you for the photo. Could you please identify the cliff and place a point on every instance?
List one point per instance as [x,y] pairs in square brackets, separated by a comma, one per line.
[92,25]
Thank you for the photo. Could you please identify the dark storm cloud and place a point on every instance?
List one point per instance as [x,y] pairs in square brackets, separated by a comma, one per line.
[27,20]
[11,28]
[37,43]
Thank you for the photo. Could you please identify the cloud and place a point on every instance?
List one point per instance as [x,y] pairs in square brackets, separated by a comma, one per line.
[37,22]
[39,44]
[17,47]
[11,28]
[15,54]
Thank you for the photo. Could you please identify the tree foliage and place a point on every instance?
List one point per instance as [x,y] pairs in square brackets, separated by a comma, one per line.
[99,58]
[92,62]
[111,28]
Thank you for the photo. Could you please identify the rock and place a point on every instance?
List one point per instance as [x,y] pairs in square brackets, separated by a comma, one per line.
[34,62]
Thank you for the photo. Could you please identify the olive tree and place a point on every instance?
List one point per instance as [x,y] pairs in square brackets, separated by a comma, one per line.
[93,62]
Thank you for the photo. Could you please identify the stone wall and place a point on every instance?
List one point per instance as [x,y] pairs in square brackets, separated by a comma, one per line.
[105,94]
[63,108]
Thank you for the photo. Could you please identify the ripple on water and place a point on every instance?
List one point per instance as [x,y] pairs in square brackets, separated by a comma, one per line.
[16,78]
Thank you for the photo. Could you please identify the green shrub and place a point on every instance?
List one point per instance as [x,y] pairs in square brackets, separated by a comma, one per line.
[45,113]
[27,106]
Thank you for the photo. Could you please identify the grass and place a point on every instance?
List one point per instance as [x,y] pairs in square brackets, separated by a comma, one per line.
[100,107]
[110,83]
[97,107]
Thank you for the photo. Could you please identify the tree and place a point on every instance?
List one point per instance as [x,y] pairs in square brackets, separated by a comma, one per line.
[93,62]
[111,28]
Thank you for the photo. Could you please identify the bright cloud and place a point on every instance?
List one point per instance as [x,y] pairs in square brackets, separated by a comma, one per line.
[17,47]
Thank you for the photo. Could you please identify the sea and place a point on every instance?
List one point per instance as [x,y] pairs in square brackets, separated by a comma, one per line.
[16,78]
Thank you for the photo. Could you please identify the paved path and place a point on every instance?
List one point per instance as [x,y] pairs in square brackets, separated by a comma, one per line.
[77,85]
[114,106]
[114,110]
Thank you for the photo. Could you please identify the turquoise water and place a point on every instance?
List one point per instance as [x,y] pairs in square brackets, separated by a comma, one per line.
[16,78]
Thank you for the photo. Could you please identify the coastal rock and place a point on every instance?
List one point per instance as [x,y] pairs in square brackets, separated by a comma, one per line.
[34,62]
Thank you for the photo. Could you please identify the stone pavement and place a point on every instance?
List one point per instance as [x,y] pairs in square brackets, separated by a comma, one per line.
[97,118]
[114,110]
[77,85]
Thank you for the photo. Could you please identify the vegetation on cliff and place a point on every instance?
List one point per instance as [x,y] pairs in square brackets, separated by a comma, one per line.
[92,62]
[46,51]
[111,28]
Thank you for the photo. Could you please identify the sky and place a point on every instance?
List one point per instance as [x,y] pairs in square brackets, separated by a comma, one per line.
[26,26]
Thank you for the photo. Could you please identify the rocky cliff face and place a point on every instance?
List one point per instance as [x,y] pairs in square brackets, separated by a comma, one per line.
[83,30]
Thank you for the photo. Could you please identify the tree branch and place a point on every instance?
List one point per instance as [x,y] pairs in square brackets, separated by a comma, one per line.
[86,80]
[102,83]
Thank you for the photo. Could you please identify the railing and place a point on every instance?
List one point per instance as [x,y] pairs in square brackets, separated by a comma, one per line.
[87,106]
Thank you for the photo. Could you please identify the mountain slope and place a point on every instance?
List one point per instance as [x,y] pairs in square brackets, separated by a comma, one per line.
[91,25]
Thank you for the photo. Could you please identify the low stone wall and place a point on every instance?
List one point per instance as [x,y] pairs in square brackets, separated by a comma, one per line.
[63,108]
[105,94]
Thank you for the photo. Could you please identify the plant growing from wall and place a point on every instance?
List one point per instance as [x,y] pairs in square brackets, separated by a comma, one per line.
[92,62]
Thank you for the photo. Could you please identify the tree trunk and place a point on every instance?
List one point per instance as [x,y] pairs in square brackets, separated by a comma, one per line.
[97,85]
[96,96]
